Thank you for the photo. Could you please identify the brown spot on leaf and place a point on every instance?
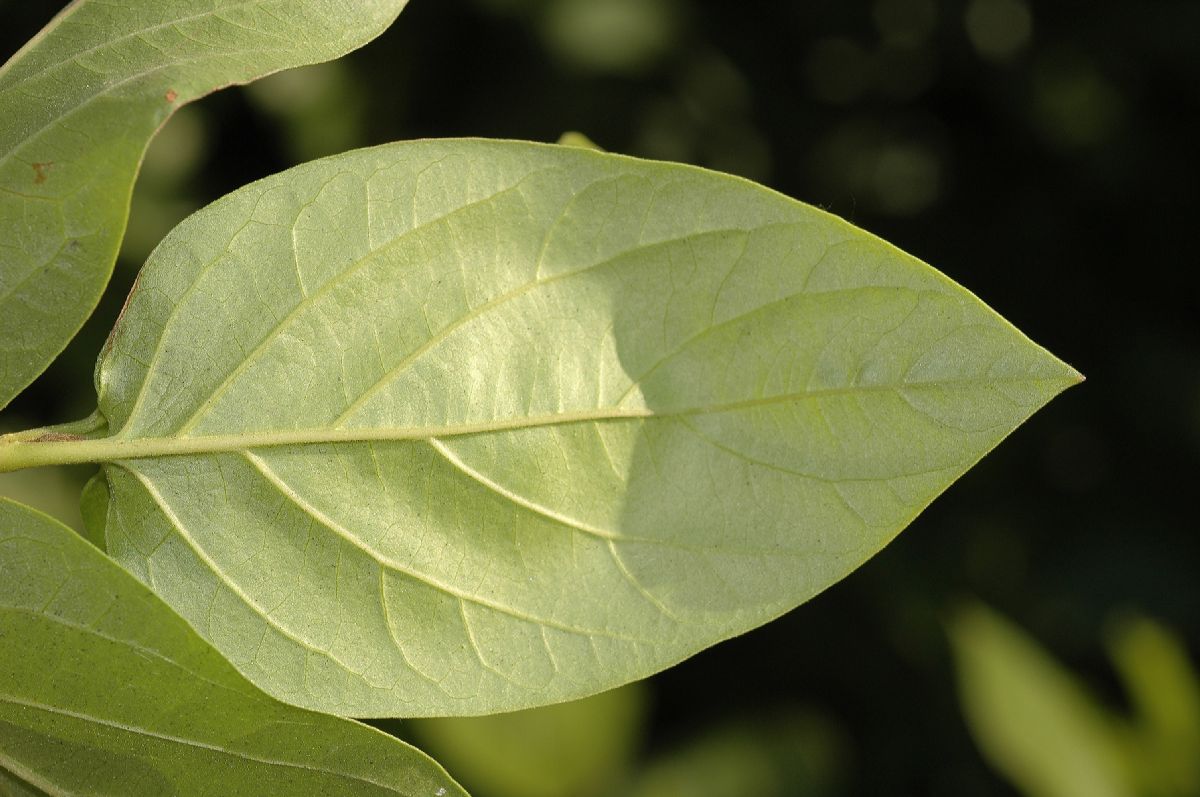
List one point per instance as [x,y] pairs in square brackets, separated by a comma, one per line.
[41,171]
[171,95]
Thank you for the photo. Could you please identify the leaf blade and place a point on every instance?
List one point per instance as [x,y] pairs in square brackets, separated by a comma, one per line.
[519,423]
[105,670]
[81,102]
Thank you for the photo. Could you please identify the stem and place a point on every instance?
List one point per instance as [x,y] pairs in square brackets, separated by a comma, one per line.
[44,446]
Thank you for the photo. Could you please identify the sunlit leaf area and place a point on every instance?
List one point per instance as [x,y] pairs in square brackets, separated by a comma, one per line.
[1035,631]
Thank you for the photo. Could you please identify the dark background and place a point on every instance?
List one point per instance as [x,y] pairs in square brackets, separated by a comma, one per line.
[1045,155]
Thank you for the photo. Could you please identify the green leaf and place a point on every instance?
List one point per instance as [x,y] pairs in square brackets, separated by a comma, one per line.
[106,691]
[12,786]
[1164,691]
[796,752]
[93,508]
[583,748]
[573,138]
[80,103]
[460,427]
[1031,718]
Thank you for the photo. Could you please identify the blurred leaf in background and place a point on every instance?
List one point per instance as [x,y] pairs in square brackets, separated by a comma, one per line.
[161,197]
[615,36]
[320,108]
[1046,732]
[798,752]
[1164,690]
[998,29]
[593,748]
[583,748]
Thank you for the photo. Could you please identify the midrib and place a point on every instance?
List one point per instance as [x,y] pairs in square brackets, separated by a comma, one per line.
[123,447]
[119,447]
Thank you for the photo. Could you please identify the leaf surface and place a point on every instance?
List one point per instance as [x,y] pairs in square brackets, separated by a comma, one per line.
[93,509]
[466,426]
[79,105]
[106,691]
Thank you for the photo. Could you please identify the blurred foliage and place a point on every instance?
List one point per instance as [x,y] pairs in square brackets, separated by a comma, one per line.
[1041,726]
[1163,744]
[593,748]
[320,109]
[1039,153]
[579,749]
[573,138]
[777,755]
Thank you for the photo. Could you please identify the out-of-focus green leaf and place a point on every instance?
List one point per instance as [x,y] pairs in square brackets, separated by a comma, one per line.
[321,109]
[106,691]
[617,36]
[577,749]
[1165,692]
[458,427]
[573,138]
[793,754]
[1033,721]
[79,104]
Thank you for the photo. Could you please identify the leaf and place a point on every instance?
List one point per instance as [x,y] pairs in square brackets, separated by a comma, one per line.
[11,786]
[1032,720]
[106,691]
[583,748]
[1163,686]
[573,138]
[80,103]
[796,752]
[93,509]
[444,428]
[1164,692]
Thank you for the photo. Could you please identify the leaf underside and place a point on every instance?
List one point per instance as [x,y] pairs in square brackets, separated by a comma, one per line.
[456,427]
[106,691]
[79,105]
